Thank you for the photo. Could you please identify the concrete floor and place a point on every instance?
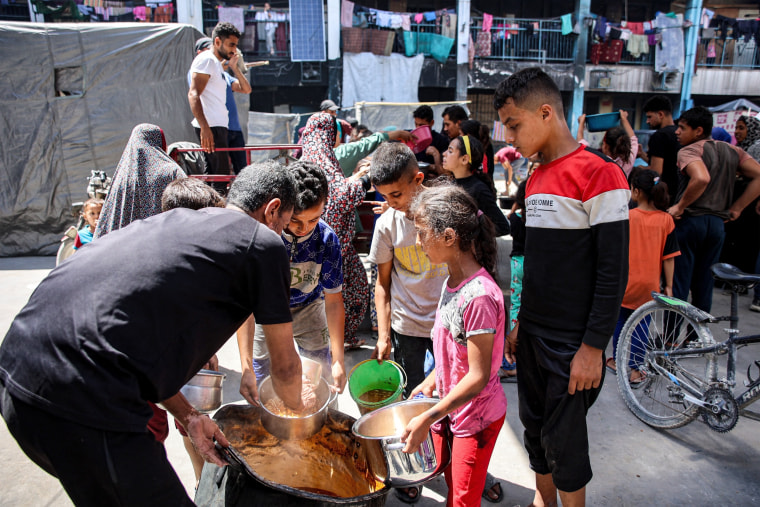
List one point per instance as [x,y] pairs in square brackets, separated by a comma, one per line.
[634,465]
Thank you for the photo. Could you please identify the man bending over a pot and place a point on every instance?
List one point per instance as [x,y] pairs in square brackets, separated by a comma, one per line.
[81,361]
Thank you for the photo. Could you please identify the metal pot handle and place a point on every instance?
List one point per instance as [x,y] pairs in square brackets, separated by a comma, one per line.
[395,447]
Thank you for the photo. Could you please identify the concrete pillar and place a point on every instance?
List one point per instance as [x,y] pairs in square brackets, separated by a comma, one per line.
[582,11]
[334,63]
[691,39]
[463,46]
[191,13]
[33,17]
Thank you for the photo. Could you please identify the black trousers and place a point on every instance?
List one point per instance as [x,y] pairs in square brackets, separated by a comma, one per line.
[219,161]
[556,435]
[95,467]
[409,352]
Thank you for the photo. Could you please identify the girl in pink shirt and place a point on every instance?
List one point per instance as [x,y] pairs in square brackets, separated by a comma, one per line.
[468,341]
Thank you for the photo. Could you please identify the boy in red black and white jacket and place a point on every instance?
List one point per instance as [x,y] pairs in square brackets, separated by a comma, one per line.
[575,273]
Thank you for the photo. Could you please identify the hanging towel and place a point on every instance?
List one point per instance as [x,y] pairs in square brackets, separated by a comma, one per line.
[647,26]
[707,16]
[471,52]
[636,28]
[139,12]
[483,45]
[233,15]
[347,14]
[567,24]
[449,26]
[625,34]
[638,45]
[394,78]
[487,22]
[429,16]
[418,18]
[601,27]
[406,22]
[396,21]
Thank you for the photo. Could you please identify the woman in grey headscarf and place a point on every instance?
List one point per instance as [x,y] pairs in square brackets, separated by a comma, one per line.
[140,178]
[747,134]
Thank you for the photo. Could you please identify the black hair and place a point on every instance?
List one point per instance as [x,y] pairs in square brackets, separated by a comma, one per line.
[520,197]
[529,89]
[424,113]
[618,142]
[658,103]
[653,187]
[697,117]
[259,183]
[390,162]
[224,30]
[362,131]
[450,206]
[476,154]
[455,113]
[190,193]
[476,129]
[311,184]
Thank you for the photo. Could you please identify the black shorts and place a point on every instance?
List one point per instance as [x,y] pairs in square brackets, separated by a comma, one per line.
[409,352]
[556,436]
[95,467]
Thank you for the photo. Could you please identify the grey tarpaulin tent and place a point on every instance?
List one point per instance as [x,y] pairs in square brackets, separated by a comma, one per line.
[735,105]
[70,94]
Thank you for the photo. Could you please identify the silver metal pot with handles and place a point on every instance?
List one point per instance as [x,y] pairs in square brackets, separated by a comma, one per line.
[387,424]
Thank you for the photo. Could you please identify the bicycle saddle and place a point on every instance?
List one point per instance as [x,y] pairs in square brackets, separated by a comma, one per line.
[731,274]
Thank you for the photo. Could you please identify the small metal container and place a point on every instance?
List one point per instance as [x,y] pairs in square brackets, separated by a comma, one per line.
[387,424]
[204,390]
[294,428]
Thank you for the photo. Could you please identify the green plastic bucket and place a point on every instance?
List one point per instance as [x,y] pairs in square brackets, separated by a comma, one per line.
[370,375]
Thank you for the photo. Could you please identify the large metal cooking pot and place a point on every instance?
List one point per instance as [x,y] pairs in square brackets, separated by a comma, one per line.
[204,390]
[294,428]
[387,424]
[333,468]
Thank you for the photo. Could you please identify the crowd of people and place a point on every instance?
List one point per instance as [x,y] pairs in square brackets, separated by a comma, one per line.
[273,262]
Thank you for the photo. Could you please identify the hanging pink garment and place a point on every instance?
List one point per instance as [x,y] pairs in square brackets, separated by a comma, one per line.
[487,22]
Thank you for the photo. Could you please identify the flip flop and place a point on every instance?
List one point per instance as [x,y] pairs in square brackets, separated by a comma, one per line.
[610,368]
[404,496]
[639,382]
[492,481]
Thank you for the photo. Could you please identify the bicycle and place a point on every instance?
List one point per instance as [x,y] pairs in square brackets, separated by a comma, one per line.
[671,375]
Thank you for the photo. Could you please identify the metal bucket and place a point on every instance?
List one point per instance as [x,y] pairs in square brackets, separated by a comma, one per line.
[294,428]
[204,390]
[387,424]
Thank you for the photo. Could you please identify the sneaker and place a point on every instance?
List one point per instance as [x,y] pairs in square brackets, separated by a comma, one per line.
[755,306]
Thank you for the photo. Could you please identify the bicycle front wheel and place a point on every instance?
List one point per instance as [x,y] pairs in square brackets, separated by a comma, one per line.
[656,386]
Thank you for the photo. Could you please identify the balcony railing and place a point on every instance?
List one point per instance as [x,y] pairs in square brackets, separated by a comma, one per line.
[254,42]
[538,40]
[733,53]
[14,12]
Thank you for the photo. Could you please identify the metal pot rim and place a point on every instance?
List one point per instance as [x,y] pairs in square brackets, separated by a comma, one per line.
[375,413]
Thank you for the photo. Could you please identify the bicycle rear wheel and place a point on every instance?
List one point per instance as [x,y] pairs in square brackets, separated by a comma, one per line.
[659,397]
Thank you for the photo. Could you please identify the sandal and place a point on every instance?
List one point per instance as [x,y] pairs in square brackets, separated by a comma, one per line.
[611,366]
[353,345]
[405,496]
[491,483]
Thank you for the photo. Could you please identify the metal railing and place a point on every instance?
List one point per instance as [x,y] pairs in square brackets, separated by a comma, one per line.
[538,40]
[254,41]
[728,53]
[15,12]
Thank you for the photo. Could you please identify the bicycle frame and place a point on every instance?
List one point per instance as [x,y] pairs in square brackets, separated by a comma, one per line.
[728,347]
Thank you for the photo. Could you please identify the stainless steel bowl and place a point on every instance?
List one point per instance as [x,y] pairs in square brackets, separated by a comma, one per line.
[294,428]
[387,424]
[204,390]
